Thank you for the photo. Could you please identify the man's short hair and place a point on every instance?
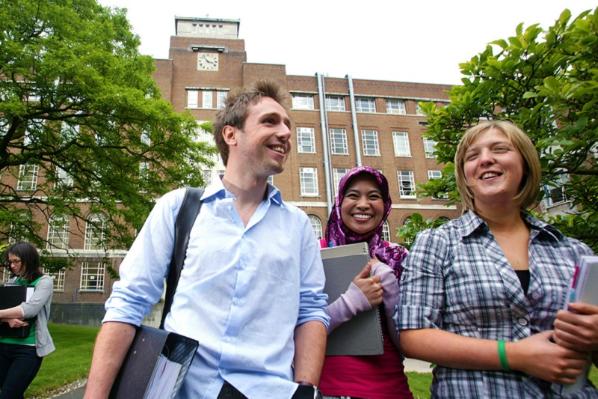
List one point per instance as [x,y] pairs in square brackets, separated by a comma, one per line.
[529,187]
[236,106]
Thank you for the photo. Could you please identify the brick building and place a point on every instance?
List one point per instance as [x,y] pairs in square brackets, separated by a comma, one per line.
[338,123]
[367,122]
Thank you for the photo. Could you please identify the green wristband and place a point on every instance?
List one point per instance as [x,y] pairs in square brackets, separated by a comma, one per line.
[502,355]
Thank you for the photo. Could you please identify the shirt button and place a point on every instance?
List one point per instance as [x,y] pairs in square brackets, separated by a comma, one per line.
[522,321]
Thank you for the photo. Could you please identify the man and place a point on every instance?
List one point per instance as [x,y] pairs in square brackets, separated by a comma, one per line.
[251,288]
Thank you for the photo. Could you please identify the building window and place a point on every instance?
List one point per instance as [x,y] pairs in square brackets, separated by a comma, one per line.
[306,140]
[57,279]
[206,99]
[338,141]
[94,232]
[308,179]
[406,184]
[92,276]
[337,175]
[335,103]
[555,194]
[434,174]
[418,110]
[27,177]
[58,233]
[143,170]
[316,225]
[68,131]
[385,231]
[192,99]
[370,143]
[365,104]
[437,174]
[5,275]
[221,99]
[400,141]
[63,178]
[429,148]
[33,126]
[206,176]
[302,101]
[145,138]
[395,106]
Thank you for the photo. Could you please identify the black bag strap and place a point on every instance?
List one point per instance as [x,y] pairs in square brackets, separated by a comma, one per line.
[182,228]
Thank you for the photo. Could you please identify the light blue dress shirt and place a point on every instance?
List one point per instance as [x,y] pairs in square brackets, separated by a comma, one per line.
[242,291]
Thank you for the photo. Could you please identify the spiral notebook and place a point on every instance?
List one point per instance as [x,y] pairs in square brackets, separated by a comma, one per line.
[362,335]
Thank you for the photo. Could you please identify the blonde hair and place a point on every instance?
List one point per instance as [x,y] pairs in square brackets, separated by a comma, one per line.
[532,174]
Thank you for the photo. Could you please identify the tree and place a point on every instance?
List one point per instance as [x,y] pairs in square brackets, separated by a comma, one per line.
[546,81]
[83,129]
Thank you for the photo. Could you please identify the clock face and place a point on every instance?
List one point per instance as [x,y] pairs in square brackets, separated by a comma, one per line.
[207,62]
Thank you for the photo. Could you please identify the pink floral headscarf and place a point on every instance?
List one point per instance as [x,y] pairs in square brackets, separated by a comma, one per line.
[338,234]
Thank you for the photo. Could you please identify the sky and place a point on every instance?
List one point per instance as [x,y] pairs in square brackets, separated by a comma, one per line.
[399,40]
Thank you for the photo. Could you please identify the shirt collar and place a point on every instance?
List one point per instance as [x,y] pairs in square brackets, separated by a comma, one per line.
[471,222]
[216,190]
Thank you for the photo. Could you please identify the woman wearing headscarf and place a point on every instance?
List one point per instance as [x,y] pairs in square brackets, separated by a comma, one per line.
[360,210]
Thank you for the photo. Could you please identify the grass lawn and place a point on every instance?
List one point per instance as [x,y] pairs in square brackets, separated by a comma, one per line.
[70,362]
[72,358]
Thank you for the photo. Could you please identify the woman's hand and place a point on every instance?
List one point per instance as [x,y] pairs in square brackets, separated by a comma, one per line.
[369,285]
[538,356]
[16,323]
[577,327]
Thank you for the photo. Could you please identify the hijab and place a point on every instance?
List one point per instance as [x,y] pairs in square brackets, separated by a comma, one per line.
[338,234]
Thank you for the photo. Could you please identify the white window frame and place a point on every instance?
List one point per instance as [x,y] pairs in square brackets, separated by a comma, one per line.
[434,174]
[145,138]
[406,178]
[207,99]
[192,98]
[335,103]
[316,225]
[385,231]
[302,101]
[308,180]
[429,148]
[68,131]
[557,188]
[337,175]
[221,98]
[94,236]
[371,146]
[63,178]
[365,104]
[306,140]
[58,233]
[27,177]
[58,278]
[5,275]
[400,143]
[338,141]
[92,272]
[395,106]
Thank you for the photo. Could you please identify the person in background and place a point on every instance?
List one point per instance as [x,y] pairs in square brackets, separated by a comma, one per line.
[479,295]
[362,206]
[21,358]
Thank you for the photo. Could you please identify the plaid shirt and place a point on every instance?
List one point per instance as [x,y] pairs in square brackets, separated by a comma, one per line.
[457,278]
